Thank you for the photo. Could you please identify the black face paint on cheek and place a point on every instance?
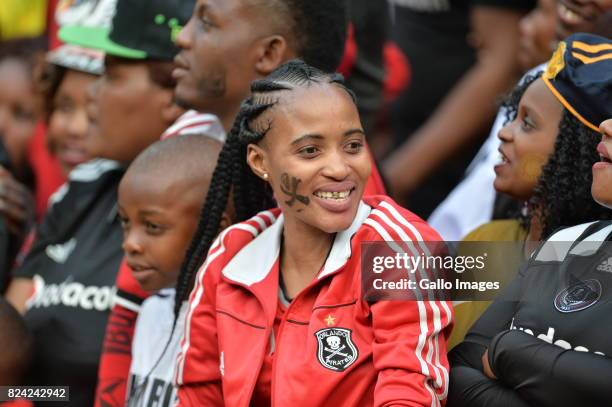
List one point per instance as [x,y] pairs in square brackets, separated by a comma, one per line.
[289,186]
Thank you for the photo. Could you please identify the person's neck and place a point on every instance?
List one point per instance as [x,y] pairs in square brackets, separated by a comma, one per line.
[227,119]
[303,253]
[534,234]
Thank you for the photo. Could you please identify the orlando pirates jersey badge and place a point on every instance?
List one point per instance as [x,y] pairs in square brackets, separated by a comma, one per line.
[335,348]
[578,296]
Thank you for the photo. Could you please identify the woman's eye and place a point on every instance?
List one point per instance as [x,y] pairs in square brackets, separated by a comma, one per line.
[354,147]
[527,124]
[309,151]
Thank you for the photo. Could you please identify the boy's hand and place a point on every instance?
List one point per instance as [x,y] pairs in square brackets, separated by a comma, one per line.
[16,204]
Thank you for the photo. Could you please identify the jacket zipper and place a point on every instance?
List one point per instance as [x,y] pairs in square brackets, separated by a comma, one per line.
[280,331]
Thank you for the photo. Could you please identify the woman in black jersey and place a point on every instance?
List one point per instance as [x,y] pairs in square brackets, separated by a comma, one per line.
[74,259]
[546,340]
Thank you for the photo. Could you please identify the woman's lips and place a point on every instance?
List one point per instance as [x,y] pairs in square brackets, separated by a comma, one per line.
[337,201]
[336,187]
[603,151]
[503,158]
[605,161]
[335,196]
[72,156]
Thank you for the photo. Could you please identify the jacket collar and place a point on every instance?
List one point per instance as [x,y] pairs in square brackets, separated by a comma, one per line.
[255,261]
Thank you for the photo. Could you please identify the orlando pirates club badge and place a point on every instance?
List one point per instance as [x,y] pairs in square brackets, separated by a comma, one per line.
[580,295]
[335,349]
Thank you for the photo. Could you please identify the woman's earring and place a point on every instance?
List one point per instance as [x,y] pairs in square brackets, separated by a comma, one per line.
[265,176]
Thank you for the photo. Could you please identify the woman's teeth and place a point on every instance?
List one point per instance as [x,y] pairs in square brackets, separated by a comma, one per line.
[503,159]
[333,195]
[569,15]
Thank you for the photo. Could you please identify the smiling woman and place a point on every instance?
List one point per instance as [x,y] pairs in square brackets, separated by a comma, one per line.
[278,303]
[581,16]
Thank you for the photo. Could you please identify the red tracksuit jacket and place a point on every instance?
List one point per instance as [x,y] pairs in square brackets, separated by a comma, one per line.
[393,353]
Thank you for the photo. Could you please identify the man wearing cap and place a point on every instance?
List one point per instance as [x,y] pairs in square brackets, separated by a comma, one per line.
[130,107]
[57,143]
[69,268]
[229,43]
[545,341]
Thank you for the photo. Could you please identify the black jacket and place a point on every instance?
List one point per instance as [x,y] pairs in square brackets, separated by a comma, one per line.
[549,334]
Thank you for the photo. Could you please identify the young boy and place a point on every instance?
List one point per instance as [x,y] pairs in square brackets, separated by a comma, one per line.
[160,198]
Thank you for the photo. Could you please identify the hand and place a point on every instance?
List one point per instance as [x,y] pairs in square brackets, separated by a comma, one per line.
[398,181]
[486,368]
[16,204]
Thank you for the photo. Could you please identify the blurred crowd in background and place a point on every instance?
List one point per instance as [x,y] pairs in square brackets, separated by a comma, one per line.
[429,77]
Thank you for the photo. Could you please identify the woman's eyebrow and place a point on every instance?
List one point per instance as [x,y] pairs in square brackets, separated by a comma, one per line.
[532,113]
[354,131]
[320,137]
[306,137]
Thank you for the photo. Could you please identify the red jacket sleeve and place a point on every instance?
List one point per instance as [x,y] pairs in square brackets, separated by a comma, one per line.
[409,349]
[199,366]
[410,352]
[114,369]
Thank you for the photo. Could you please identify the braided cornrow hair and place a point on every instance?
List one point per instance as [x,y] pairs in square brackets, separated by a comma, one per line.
[251,194]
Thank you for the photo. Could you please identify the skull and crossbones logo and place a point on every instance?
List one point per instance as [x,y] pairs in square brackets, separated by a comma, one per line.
[336,350]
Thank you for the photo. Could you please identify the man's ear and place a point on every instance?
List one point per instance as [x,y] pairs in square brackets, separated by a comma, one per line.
[257,160]
[272,51]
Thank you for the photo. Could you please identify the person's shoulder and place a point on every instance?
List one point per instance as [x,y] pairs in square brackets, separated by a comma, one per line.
[193,122]
[236,237]
[250,228]
[159,304]
[87,177]
[497,230]
[389,221]
[563,241]
[573,233]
